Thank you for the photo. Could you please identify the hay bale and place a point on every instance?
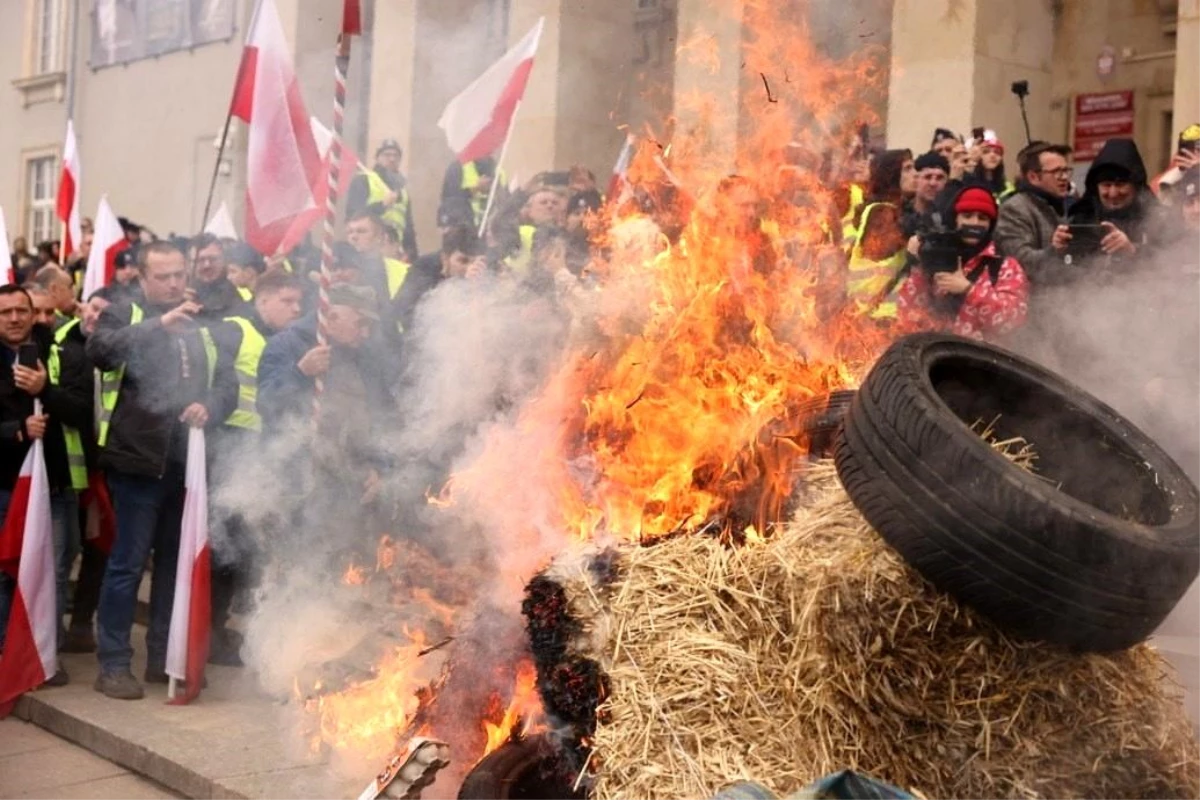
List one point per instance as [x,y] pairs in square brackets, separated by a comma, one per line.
[821,650]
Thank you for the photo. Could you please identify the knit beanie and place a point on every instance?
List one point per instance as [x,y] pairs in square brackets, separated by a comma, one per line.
[932,160]
[976,199]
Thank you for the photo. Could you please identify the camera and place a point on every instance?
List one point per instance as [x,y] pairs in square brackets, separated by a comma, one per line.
[1020,88]
[940,248]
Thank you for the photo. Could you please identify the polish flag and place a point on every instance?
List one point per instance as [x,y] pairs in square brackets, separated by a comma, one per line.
[107,240]
[351,18]
[27,551]
[477,120]
[67,206]
[620,173]
[282,159]
[191,615]
[6,263]
[350,165]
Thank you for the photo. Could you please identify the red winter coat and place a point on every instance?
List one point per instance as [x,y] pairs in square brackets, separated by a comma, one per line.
[989,309]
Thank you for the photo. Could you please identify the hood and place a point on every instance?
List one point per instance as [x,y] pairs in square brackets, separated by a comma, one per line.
[1119,153]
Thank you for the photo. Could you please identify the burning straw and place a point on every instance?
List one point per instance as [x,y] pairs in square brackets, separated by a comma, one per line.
[820,649]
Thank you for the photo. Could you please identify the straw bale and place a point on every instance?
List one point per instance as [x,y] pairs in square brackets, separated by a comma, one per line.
[821,650]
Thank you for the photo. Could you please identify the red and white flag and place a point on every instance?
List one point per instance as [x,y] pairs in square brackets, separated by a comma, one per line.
[107,240]
[6,263]
[67,204]
[477,120]
[282,160]
[350,165]
[27,552]
[191,615]
[620,173]
[351,18]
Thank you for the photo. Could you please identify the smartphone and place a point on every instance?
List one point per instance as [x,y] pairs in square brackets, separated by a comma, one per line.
[977,134]
[27,355]
[1085,237]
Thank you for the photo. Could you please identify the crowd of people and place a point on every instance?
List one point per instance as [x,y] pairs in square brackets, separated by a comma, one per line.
[204,332]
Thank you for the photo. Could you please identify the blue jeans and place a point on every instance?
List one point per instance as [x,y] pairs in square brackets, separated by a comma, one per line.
[64,522]
[149,513]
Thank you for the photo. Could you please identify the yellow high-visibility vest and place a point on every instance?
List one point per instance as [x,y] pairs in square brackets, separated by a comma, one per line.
[76,461]
[868,281]
[395,214]
[246,367]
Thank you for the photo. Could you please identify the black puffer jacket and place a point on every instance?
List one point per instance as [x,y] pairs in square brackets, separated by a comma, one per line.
[69,403]
[164,374]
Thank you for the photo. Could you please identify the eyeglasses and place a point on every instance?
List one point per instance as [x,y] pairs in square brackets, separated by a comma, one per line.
[1061,172]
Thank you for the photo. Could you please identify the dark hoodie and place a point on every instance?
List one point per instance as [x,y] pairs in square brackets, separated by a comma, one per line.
[1142,221]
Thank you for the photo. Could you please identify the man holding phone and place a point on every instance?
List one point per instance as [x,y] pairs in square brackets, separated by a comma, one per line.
[162,375]
[1030,227]
[64,386]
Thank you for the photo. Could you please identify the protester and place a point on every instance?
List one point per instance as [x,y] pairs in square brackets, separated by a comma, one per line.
[1031,225]
[877,249]
[162,376]
[465,190]
[386,188]
[244,338]
[933,171]
[214,294]
[245,266]
[985,297]
[44,312]
[56,373]
[57,283]
[944,143]
[386,277]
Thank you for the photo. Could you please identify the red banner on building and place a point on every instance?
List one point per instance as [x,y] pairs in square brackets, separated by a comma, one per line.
[1098,118]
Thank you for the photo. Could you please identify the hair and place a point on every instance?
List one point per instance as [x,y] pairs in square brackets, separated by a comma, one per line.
[885,175]
[33,290]
[157,247]
[274,282]
[12,288]
[48,275]
[461,239]
[108,293]
[1030,157]
[390,233]
[371,212]
[203,240]
[241,254]
[932,160]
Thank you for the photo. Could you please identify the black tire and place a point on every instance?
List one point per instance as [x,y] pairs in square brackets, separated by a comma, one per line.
[1091,553]
[524,769]
[822,420]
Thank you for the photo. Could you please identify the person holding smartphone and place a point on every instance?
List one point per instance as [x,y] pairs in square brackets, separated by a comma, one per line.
[38,368]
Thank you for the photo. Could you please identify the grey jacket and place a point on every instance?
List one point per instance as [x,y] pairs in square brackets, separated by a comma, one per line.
[1023,231]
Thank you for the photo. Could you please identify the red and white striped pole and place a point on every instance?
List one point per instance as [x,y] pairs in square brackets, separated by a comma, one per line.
[351,25]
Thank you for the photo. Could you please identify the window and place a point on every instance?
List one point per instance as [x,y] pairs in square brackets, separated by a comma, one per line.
[129,30]
[40,189]
[47,36]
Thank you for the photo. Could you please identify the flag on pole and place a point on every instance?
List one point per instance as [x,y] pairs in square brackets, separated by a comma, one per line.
[351,18]
[350,166]
[6,262]
[108,239]
[27,551]
[221,225]
[618,182]
[282,160]
[67,203]
[476,121]
[191,615]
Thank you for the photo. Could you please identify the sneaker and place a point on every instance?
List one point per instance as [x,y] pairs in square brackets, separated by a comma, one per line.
[79,640]
[60,678]
[119,685]
[224,648]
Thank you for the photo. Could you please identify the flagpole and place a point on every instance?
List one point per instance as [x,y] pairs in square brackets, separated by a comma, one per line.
[212,183]
[487,209]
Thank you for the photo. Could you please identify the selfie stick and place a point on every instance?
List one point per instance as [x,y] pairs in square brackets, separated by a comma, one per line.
[1025,119]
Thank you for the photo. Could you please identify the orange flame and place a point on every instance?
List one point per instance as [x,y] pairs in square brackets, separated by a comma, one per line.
[525,709]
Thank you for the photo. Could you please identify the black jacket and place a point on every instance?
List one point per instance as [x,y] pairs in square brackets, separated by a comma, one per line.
[68,403]
[219,300]
[164,374]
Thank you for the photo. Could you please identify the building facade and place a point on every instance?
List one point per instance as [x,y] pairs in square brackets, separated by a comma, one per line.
[148,83]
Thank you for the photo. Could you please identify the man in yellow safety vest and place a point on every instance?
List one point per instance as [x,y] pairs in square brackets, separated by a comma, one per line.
[385,189]
[465,190]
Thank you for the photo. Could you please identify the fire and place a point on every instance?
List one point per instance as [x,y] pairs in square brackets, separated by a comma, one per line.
[525,710]
[355,575]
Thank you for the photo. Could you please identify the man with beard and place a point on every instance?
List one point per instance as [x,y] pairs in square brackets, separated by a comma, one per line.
[211,288]
[384,188]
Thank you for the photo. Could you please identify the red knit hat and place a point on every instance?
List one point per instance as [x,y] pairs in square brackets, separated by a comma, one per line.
[976,199]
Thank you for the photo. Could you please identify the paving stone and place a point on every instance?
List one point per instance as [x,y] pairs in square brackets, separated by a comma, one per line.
[126,787]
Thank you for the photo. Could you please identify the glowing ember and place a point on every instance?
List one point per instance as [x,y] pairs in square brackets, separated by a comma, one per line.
[355,575]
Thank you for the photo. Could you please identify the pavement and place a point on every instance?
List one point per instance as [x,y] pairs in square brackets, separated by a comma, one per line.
[38,764]
[231,742]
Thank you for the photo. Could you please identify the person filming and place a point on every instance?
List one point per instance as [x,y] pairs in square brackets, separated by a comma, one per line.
[959,283]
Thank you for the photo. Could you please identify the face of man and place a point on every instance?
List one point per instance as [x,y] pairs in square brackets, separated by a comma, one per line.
[546,208]
[347,327]
[90,314]
[455,264]
[930,181]
[945,148]
[43,308]
[279,308]
[242,276]
[484,186]
[908,178]
[1053,175]
[16,318]
[1191,213]
[364,235]
[388,160]
[125,275]
[164,279]
[1116,195]
[345,274]
[210,264]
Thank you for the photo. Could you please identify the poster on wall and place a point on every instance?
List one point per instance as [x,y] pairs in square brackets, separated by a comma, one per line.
[129,30]
[1098,118]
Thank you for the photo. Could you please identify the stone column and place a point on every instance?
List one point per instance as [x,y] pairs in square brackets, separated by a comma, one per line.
[1187,66]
